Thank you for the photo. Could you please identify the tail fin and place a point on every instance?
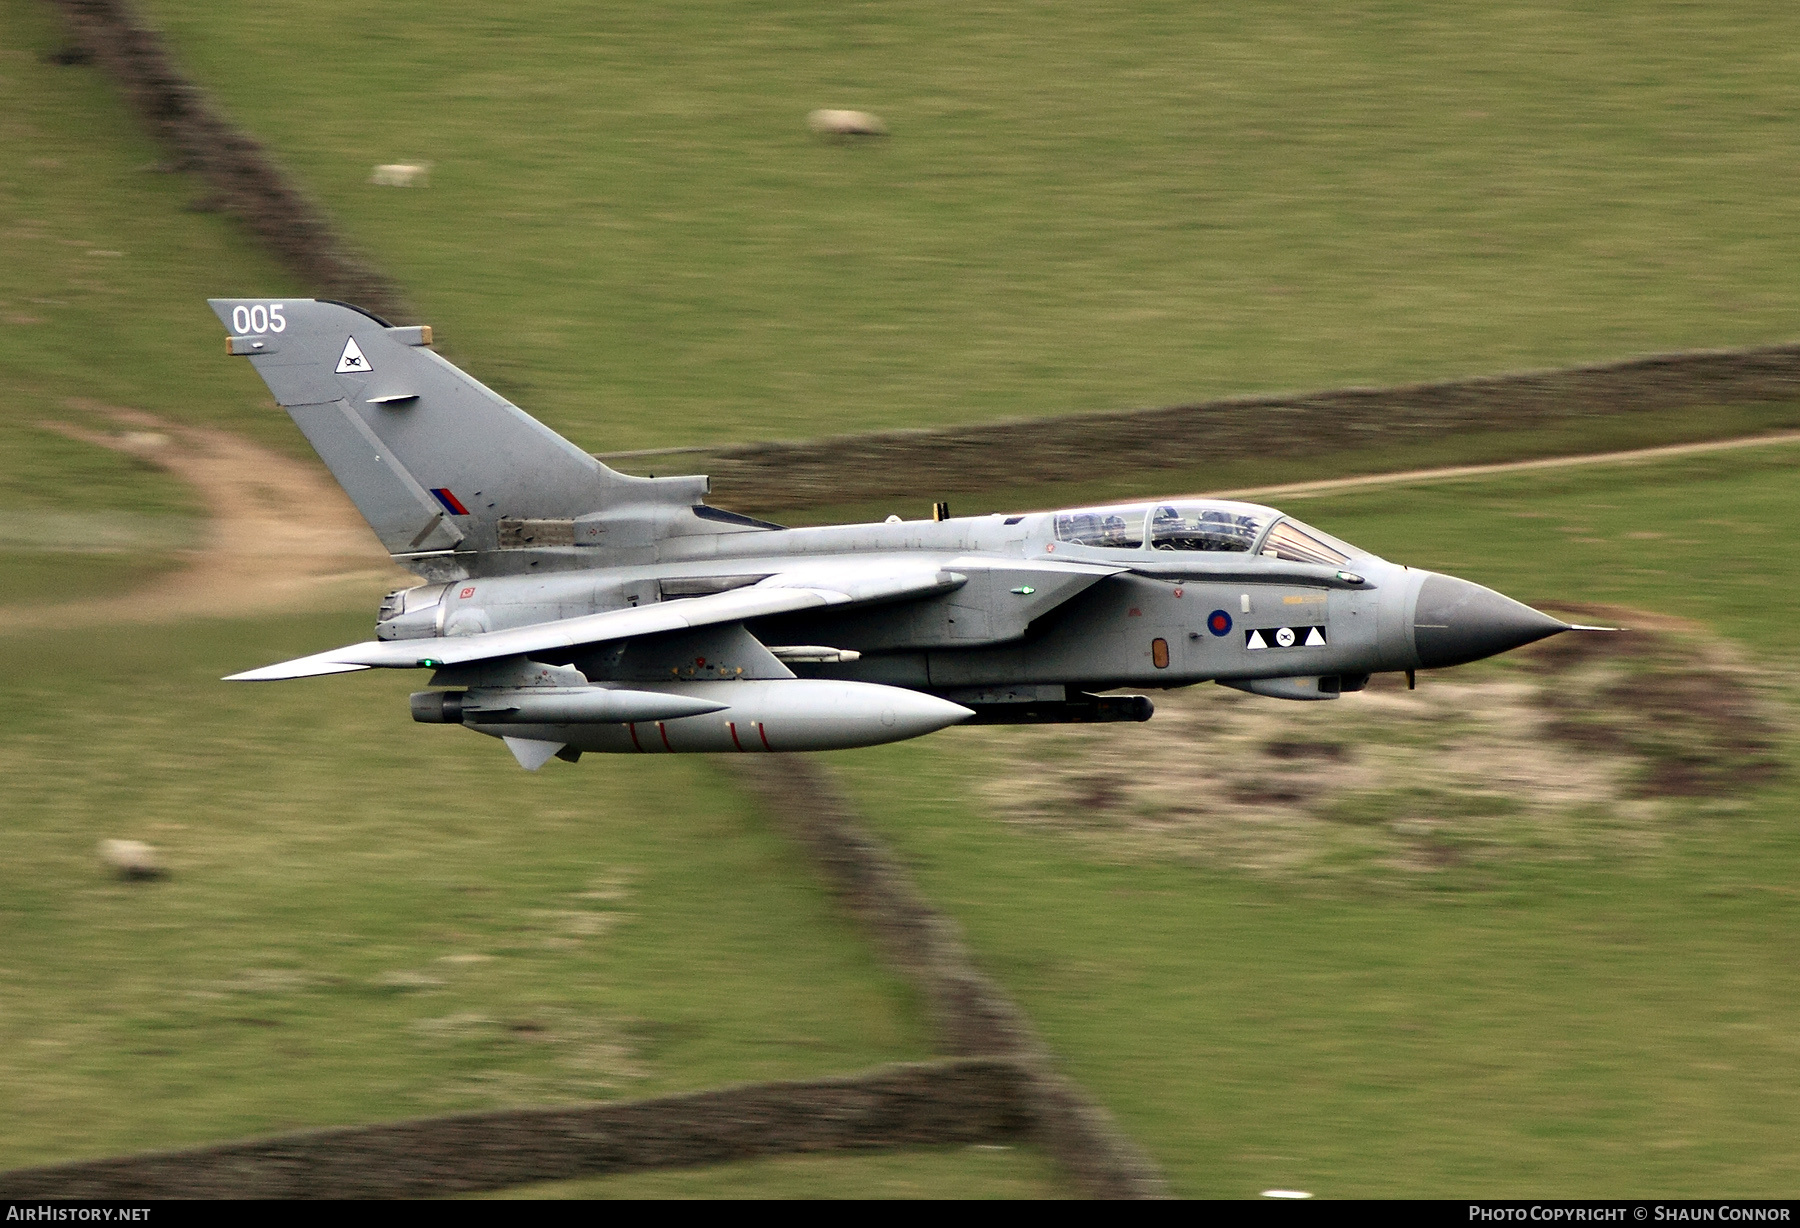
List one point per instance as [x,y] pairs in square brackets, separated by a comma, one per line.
[433,459]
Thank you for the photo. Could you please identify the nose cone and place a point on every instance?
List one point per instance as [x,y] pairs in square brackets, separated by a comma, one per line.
[910,714]
[1456,622]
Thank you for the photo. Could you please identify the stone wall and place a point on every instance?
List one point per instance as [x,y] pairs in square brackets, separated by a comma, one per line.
[922,1104]
[970,1013]
[933,464]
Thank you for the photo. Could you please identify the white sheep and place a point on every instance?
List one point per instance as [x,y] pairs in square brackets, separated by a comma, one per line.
[402,175]
[131,859]
[846,123]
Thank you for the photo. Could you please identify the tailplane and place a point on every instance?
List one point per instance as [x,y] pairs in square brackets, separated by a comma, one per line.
[434,460]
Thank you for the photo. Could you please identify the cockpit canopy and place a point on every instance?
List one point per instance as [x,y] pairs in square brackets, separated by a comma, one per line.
[1202,524]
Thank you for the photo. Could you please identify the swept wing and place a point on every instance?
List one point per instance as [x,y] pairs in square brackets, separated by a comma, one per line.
[784,593]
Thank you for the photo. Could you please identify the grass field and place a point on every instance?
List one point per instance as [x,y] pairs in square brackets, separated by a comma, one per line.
[103,289]
[102,304]
[1616,1023]
[359,926]
[364,921]
[630,231]
[45,577]
[1619,1023]
[85,327]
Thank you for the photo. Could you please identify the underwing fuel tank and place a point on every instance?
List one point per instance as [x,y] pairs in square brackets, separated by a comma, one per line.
[749,716]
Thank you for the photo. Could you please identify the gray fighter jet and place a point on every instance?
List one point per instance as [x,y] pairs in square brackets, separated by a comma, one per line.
[567,607]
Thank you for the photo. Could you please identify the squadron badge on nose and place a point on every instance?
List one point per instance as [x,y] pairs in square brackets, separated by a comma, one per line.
[1284,637]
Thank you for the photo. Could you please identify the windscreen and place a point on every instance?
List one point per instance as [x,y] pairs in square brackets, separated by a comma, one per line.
[1203,525]
[1298,544]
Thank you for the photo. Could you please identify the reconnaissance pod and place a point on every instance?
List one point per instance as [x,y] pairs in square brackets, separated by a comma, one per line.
[567,608]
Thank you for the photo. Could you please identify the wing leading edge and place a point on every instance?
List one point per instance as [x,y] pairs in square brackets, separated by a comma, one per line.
[786,593]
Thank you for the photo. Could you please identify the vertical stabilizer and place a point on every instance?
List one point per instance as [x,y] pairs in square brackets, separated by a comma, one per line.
[433,459]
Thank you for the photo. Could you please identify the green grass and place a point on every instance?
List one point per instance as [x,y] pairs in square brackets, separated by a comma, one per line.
[1707,537]
[733,202]
[103,289]
[1619,1024]
[53,577]
[1082,206]
[630,233]
[49,472]
[102,306]
[366,918]
[1589,1028]
[964,1172]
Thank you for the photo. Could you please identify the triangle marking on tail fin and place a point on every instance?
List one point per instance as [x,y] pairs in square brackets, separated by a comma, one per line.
[352,362]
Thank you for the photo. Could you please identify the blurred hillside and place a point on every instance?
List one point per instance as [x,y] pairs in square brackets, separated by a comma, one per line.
[102,305]
[630,230]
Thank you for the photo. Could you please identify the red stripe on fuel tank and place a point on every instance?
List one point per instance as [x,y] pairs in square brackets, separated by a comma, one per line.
[635,744]
[665,737]
[732,725]
[763,736]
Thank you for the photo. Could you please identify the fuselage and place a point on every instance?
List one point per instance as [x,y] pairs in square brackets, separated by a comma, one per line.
[1047,603]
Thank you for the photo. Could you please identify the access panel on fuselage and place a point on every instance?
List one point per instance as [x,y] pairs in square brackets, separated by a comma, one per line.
[1261,630]
[1109,636]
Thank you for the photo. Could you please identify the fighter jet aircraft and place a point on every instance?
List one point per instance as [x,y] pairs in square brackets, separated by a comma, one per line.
[566,607]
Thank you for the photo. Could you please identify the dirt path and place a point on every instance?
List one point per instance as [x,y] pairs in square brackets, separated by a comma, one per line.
[282,536]
[1302,490]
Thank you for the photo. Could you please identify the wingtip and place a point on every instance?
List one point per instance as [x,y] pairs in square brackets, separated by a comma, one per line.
[294,669]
